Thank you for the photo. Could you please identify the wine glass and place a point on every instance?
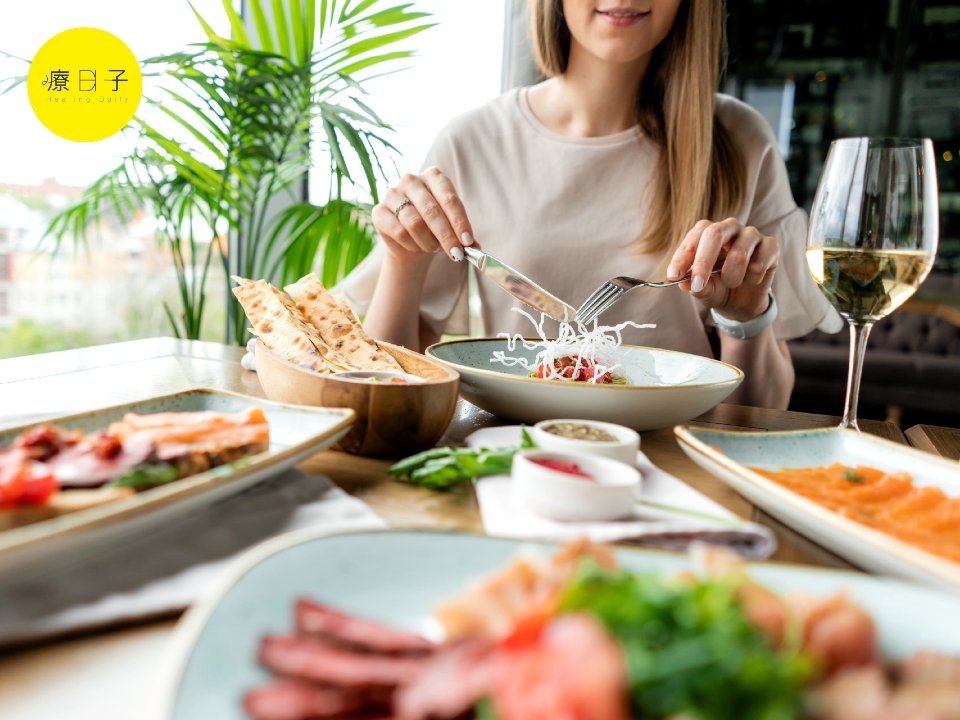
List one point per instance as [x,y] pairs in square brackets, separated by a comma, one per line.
[873,235]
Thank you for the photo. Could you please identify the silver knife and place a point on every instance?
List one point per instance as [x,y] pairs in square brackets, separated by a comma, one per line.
[519,285]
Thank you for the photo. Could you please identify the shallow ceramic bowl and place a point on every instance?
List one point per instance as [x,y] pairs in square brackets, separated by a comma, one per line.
[393,419]
[608,494]
[624,448]
[665,387]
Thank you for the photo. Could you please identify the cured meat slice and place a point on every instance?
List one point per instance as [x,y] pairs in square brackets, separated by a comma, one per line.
[310,659]
[297,700]
[452,681]
[325,623]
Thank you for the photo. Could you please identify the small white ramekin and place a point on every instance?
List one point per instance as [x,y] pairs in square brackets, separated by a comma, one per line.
[624,448]
[557,495]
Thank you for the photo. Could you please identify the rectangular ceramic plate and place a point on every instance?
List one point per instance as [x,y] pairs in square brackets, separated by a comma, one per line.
[728,454]
[399,577]
[295,434]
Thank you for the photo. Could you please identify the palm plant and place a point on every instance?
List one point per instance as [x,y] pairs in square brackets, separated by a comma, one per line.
[244,114]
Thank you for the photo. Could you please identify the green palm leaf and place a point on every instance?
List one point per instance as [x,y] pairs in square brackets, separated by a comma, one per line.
[243,121]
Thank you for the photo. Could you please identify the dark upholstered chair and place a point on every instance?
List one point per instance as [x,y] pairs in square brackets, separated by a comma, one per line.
[911,372]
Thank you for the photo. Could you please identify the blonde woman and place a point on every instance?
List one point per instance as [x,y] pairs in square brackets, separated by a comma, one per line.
[624,161]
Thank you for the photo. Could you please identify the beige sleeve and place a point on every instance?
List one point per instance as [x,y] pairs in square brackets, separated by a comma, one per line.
[444,304]
[801,307]
[769,206]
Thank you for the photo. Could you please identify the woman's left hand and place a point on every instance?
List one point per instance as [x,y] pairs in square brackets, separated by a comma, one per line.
[749,260]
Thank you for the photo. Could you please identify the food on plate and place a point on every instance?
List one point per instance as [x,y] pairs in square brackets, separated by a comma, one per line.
[886,501]
[338,326]
[314,330]
[573,636]
[578,354]
[334,665]
[578,431]
[445,467]
[578,369]
[283,328]
[46,462]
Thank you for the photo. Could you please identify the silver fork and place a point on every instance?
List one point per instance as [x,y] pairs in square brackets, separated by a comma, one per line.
[613,290]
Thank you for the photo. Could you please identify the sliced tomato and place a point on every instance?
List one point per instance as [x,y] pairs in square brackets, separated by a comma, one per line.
[23,480]
[38,484]
[13,464]
[571,669]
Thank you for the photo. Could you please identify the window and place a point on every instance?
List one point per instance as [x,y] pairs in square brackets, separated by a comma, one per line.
[889,70]
[42,174]
[457,68]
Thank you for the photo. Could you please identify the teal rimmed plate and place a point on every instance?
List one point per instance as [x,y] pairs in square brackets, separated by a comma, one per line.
[296,433]
[729,456]
[399,577]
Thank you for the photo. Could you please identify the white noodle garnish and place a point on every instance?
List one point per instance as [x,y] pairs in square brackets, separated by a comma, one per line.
[592,347]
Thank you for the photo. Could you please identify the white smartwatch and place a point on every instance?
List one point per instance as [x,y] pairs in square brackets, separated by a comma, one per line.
[750,328]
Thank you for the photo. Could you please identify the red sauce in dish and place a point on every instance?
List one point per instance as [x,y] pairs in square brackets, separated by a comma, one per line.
[560,466]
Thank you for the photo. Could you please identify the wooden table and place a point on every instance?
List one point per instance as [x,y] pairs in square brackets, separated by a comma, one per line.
[937,440]
[103,676]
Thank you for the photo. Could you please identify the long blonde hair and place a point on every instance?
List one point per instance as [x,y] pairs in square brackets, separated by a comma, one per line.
[700,173]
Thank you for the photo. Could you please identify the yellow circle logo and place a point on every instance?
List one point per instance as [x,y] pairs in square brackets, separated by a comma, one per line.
[84,84]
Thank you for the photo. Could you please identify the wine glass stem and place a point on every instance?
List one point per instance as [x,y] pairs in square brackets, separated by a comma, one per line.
[859,333]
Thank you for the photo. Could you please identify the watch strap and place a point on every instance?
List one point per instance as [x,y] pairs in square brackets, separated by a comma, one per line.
[750,328]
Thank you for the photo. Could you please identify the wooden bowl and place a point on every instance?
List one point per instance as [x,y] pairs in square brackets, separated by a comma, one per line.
[392,419]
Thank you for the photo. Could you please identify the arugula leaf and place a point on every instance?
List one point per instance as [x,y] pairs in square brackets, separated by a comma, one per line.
[444,468]
[526,441]
[144,476]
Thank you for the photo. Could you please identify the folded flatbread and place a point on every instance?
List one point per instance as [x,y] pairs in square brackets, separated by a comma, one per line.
[283,329]
[338,326]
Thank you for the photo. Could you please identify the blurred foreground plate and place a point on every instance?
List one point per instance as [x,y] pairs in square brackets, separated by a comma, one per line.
[399,577]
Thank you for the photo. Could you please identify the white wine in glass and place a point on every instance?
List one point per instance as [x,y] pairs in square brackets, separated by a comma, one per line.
[873,235]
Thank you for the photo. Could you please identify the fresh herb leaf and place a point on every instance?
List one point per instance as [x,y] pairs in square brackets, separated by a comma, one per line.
[690,649]
[525,440]
[484,710]
[850,475]
[144,476]
[446,467]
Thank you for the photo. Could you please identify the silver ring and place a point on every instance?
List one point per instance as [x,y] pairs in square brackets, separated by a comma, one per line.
[401,206]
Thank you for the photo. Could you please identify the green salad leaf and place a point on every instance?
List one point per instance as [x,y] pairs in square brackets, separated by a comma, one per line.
[444,468]
[690,649]
[144,476]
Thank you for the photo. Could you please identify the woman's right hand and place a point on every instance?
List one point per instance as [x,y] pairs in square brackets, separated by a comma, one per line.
[423,214]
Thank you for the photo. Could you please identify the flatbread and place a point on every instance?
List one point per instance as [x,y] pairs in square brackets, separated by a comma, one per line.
[338,326]
[283,329]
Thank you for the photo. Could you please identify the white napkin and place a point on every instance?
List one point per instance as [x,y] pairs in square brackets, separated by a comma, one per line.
[163,572]
[503,512]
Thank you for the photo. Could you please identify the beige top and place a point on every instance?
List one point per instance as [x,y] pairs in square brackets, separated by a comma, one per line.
[561,210]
